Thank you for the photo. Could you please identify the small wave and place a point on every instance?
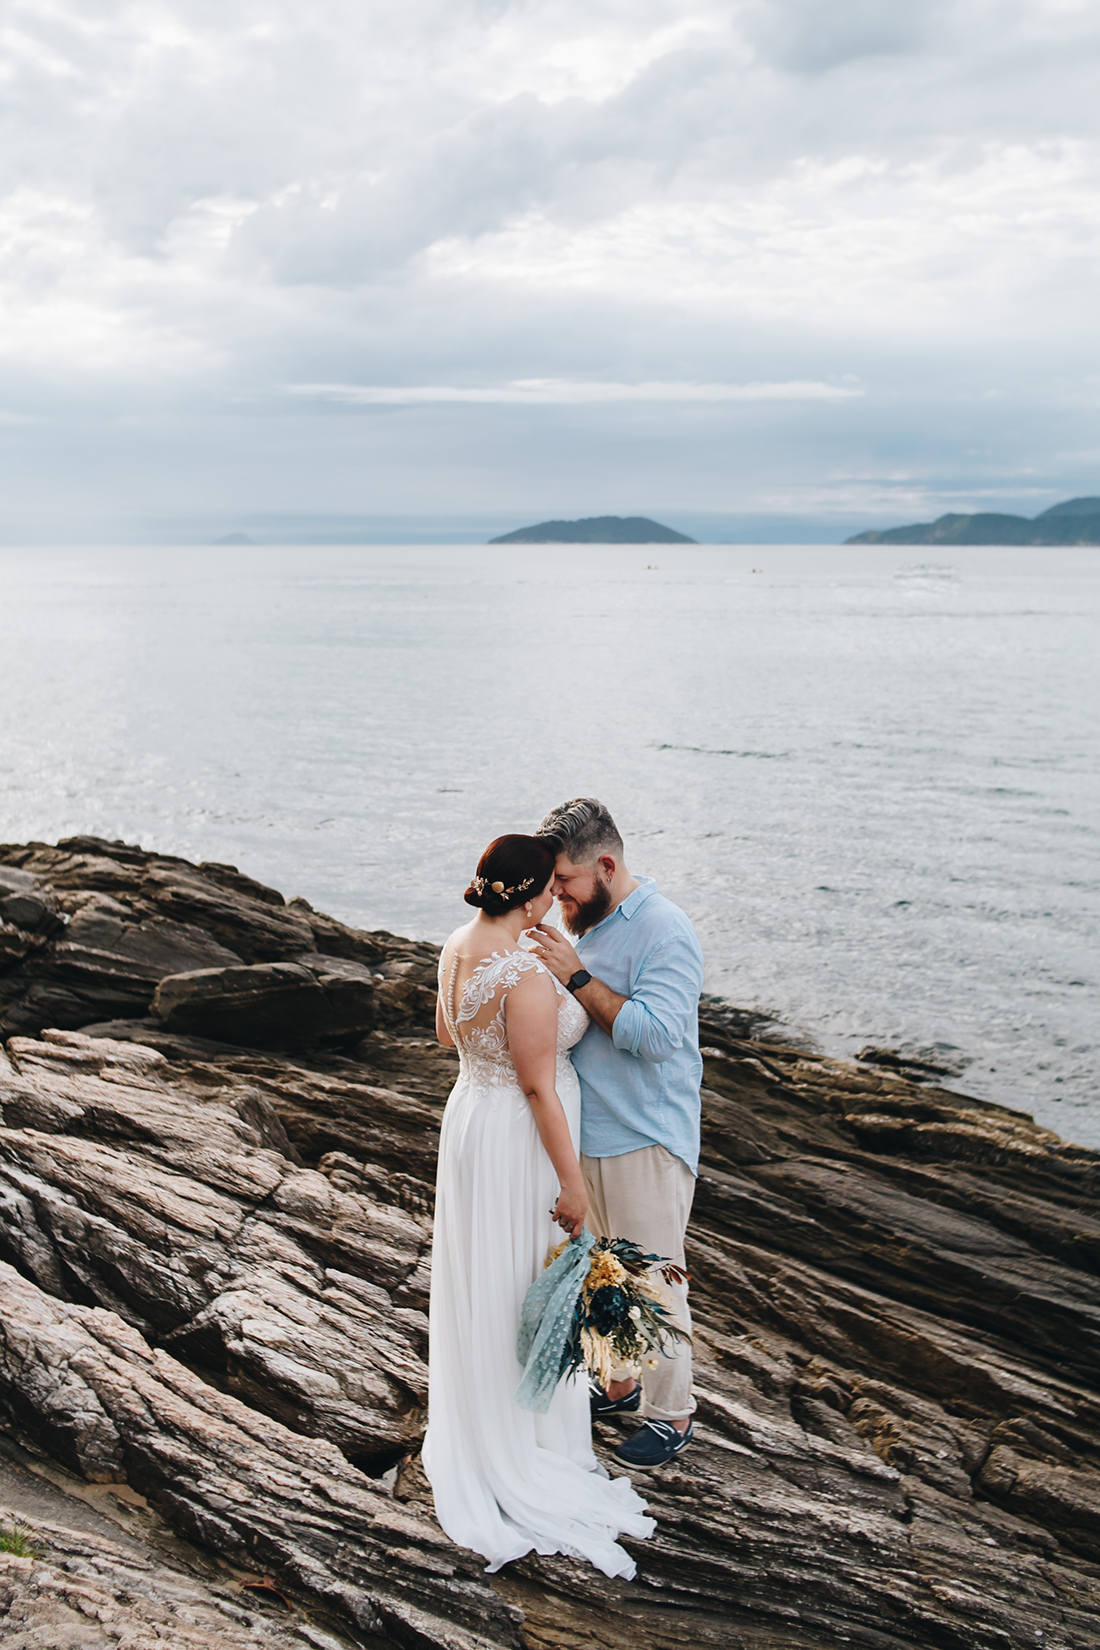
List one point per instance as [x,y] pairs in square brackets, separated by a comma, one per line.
[708,750]
[928,572]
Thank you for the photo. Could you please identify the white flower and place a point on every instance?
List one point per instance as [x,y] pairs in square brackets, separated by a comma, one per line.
[651,1363]
[635,1313]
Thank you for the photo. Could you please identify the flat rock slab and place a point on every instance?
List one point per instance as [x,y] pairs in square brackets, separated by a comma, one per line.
[271,1005]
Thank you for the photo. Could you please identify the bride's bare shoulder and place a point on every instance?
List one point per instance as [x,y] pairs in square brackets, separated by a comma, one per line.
[453,944]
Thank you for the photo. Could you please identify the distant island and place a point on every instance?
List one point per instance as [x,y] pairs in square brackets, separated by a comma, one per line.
[1075,522]
[596,530]
[234,538]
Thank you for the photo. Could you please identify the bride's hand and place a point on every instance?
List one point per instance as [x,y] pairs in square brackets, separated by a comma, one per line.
[570,1209]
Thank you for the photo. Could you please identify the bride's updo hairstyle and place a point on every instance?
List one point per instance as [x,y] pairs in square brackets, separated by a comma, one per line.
[512,870]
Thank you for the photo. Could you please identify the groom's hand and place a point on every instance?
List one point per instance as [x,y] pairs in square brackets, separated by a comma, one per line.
[598,1000]
[555,951]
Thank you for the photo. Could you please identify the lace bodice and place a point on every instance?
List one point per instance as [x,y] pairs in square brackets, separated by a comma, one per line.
[477,1021]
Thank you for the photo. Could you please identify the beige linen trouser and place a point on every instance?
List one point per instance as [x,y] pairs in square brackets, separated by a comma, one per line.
[646,1196]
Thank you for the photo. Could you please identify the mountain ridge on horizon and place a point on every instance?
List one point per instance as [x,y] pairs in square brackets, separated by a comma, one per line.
[1076,521]
[596,530]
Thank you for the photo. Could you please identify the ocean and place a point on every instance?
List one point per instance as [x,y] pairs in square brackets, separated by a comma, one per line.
[869,773]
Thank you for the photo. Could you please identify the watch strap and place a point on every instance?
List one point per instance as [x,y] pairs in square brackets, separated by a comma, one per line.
[575,981]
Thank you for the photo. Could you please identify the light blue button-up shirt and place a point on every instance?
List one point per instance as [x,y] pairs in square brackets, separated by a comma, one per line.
[640,1086]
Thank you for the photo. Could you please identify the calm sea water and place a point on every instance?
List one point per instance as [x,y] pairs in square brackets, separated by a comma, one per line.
[871,781]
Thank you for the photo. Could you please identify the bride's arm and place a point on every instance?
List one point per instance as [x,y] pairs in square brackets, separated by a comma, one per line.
[441,1030]
[531,1015]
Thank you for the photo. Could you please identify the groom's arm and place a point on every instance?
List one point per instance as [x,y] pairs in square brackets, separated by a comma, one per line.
[597,999]
[600,1003]
[663,1009]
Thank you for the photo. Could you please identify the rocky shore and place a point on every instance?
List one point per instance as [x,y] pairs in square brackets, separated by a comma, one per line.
[219,1117]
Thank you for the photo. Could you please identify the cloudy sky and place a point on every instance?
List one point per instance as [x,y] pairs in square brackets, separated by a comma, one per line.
[775,267]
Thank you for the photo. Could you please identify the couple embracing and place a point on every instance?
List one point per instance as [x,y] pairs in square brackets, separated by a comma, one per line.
[577,1102]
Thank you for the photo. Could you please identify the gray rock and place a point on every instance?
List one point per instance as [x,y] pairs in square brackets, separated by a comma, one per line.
[133,919]
[30,913]
[271,1005]
[114,1410]
[221,1261]
[181,1213]
[15,881]
[104,1571]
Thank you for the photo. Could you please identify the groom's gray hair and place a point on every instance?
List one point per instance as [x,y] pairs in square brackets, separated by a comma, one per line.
[583,829]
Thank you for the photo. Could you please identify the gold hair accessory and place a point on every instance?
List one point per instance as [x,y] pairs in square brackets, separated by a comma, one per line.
[479,885]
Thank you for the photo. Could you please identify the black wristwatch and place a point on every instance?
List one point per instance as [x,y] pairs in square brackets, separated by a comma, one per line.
[575,981]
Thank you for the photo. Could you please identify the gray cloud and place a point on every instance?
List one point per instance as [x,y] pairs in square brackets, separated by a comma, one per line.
[201,205]
[564,392]
[811,38]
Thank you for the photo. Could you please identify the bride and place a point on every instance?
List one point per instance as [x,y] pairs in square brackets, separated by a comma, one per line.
[507,1482]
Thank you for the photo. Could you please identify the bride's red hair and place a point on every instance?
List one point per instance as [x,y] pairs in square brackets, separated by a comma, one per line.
[521,865]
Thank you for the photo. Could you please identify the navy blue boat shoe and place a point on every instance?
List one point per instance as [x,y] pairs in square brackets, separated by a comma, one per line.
[602,1405]
[654,1443]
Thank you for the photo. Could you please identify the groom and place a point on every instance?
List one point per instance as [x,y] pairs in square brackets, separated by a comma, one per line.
[637,968]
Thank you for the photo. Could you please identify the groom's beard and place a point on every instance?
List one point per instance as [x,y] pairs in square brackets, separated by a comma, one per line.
[587,914]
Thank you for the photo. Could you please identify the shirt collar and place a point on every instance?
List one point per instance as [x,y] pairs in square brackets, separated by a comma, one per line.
[630,905]
[632,902]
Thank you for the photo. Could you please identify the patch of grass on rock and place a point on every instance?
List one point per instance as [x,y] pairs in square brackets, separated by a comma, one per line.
[19,1539]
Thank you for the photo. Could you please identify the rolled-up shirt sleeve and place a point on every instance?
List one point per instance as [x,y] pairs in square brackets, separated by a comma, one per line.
[663,1006]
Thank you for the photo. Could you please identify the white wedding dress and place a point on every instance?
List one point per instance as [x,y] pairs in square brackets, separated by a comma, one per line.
[506,1482]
